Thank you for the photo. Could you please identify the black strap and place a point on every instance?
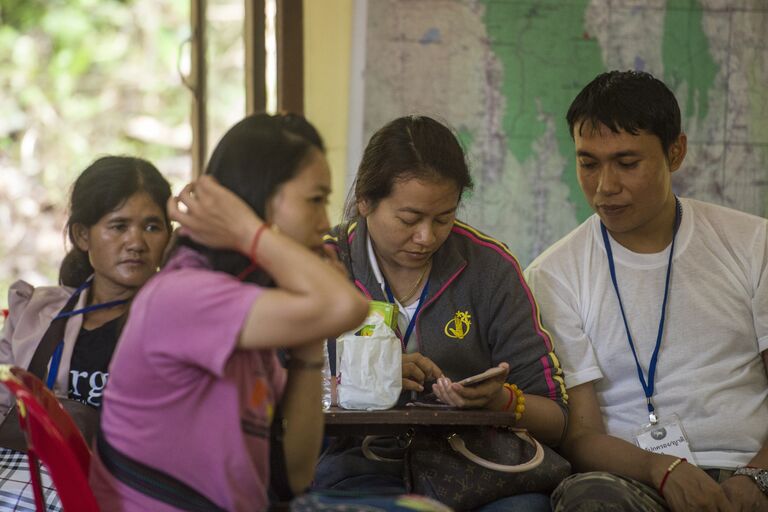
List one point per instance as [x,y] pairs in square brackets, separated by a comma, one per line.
[38,366]
[152,482]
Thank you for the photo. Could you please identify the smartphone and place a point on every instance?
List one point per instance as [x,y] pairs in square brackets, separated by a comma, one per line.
[481,377]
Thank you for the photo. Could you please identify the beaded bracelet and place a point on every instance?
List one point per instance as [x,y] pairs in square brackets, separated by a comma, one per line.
[671,468]
[252,252]
[515,392]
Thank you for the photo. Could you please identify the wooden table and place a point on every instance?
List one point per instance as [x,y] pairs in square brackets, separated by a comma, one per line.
[340,422]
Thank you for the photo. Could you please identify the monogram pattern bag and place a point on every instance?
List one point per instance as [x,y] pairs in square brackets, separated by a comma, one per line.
[468,467]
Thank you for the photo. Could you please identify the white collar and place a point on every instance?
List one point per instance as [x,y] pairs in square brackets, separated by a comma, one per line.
[375,266]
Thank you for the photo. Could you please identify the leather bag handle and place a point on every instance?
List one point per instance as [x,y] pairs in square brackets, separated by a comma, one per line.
[370,455]
[458,445]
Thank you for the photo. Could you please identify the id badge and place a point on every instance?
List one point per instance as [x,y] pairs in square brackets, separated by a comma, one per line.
[665,437]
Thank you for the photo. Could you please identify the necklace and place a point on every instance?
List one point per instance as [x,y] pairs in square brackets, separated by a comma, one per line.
[411,293]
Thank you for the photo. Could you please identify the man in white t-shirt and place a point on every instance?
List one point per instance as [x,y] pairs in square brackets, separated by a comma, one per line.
[659,307]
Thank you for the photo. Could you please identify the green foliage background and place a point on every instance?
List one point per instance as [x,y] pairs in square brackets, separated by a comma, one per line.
[84,78]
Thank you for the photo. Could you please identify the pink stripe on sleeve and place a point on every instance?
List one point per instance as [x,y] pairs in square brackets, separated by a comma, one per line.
[548,377]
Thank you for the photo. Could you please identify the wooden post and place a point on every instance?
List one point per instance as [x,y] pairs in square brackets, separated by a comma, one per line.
[199,88]
[255,57]
[290,56]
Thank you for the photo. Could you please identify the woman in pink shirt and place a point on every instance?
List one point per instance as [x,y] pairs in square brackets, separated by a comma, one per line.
[200,413]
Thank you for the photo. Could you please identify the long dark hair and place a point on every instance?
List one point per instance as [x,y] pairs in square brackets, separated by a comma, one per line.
[102,188]
[255,157]
[408,147]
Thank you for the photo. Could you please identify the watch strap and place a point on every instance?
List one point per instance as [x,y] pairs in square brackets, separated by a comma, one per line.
[758,475]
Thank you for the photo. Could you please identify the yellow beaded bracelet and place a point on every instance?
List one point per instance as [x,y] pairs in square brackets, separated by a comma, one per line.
[515,394]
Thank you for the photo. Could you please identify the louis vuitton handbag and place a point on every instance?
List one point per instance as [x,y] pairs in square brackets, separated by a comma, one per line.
[468,467]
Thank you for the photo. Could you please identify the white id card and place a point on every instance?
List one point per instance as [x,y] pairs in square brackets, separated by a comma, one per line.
[665,437]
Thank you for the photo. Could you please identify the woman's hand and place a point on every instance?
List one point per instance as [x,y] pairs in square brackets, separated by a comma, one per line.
[418,369]
[213,215]
[488,394]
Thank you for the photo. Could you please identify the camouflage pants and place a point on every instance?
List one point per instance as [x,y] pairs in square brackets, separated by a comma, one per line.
[606,492]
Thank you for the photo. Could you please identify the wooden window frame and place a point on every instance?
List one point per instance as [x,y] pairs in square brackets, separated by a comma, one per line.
[289,29]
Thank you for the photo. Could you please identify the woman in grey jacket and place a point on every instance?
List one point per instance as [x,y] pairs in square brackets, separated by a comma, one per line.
[464,304]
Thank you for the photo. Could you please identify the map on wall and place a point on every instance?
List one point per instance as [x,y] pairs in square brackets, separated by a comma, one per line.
[502,74]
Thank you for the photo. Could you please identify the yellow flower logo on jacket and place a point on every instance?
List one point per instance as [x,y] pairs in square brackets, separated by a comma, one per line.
[458,327]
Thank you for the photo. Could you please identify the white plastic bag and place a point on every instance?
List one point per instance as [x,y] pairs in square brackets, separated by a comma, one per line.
[369,368]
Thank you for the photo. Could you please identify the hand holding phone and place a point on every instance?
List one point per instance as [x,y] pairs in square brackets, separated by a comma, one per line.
[481,377]
[476,391]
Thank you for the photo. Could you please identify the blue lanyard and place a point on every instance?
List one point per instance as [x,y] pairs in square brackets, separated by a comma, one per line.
[647,386]
[412,323]
[56,358]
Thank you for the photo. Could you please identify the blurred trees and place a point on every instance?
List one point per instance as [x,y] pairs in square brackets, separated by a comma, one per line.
[84,78]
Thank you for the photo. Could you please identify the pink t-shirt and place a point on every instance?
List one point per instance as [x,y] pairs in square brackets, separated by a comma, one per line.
[183,399]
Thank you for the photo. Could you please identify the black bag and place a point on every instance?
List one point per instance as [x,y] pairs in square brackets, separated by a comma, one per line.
[85,417]
[468,467]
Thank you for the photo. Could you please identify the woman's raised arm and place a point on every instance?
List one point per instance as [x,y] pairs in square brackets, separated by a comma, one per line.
[312,301]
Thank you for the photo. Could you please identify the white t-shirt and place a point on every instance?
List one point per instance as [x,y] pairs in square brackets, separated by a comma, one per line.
[709,369]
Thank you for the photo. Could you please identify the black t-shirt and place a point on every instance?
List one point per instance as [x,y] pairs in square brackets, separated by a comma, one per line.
[90,362]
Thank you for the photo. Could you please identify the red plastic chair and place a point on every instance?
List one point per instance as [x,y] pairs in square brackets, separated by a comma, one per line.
[53,439]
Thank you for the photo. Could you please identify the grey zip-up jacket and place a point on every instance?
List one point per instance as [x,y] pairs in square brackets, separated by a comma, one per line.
[478,312]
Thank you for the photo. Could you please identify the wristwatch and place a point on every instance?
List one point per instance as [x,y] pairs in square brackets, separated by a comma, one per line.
[760,476]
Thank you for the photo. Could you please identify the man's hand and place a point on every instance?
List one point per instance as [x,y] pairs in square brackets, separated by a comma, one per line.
[690,489]
[744,495]
[417,370]
[480,395]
